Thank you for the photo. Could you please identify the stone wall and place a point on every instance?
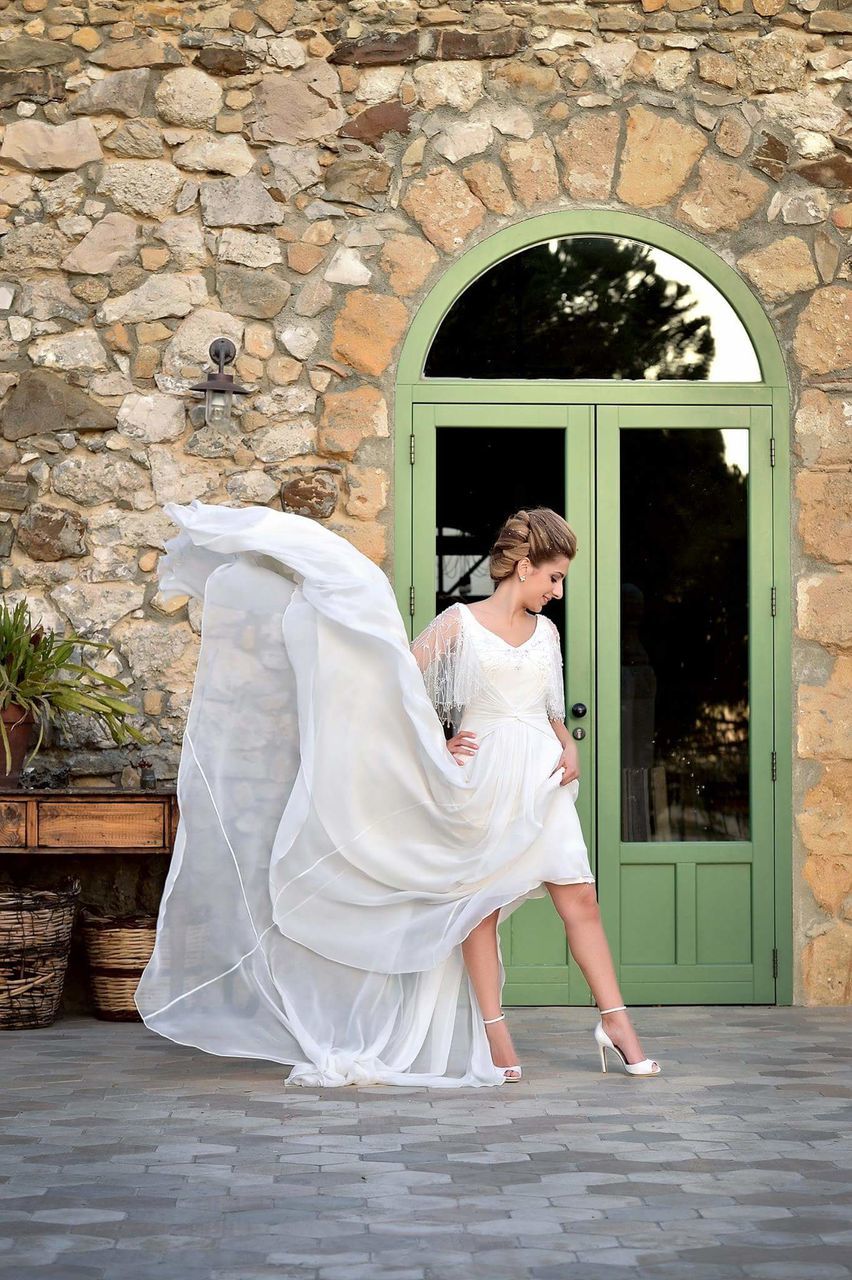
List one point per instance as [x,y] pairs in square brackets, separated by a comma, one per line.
[295,176]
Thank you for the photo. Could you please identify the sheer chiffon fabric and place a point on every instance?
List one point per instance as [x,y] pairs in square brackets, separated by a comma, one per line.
[331,855]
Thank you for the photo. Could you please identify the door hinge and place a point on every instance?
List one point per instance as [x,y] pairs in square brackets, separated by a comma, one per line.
[775,962]
[774,766]
[772,451]
[411,600]
[773,600]
[411,448]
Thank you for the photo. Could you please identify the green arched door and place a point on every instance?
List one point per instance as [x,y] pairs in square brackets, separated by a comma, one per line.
[671,606]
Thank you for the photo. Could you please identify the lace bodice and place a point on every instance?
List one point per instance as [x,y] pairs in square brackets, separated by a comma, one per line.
[458,656]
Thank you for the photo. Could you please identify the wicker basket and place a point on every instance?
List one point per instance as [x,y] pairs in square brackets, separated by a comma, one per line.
[35,939]
[118,949]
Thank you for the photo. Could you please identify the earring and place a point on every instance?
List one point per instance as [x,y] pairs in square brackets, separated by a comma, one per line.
[522,577]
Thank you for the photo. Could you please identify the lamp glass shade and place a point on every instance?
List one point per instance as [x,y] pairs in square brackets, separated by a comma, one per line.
[217,407]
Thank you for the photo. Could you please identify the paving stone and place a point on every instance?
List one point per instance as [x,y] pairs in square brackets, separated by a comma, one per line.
[171,1162]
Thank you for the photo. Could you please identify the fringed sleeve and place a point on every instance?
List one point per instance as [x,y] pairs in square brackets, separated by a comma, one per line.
[448,661]
[556,675]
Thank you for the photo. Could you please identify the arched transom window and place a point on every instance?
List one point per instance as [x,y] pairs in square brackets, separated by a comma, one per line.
[593,307]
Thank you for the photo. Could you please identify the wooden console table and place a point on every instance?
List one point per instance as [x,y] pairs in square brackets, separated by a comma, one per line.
[92,820]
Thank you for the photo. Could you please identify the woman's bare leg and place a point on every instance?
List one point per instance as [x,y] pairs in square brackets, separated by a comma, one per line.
[479,950]
[578,908]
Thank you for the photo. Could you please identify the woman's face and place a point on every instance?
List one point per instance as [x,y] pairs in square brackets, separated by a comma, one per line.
[544,583]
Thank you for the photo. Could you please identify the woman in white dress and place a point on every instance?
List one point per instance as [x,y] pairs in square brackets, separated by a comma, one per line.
[339,868]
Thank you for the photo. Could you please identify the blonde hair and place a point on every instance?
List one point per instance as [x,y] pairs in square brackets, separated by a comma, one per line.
[539,533]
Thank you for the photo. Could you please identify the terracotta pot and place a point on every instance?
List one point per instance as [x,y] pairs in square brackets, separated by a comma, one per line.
[20,727]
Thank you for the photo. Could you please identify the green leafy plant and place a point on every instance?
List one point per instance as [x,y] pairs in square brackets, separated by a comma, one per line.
[38,675]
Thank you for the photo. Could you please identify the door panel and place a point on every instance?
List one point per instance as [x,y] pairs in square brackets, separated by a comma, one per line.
[684,710]
[475,465]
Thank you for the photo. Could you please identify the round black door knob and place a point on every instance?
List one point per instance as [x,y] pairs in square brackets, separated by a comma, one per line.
[579,709]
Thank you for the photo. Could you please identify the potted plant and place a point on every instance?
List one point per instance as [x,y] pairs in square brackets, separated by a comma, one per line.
[39,682]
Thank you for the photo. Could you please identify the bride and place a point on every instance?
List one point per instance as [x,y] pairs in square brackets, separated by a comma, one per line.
[340,867]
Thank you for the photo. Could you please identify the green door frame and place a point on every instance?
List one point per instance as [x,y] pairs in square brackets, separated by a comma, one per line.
[772,392]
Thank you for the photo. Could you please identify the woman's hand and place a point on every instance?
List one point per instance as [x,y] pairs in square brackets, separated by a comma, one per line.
[570,760]
[459,747]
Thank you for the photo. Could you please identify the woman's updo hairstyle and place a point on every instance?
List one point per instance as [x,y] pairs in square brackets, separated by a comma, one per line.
[539,533]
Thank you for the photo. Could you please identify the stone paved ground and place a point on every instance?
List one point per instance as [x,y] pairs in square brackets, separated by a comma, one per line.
[128,1157]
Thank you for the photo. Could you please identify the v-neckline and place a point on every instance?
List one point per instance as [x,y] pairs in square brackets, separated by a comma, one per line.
[507,643]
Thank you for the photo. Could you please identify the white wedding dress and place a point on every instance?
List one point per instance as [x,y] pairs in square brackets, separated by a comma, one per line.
[331,854]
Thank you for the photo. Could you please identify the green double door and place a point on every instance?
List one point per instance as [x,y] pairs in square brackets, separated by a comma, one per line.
[667,635]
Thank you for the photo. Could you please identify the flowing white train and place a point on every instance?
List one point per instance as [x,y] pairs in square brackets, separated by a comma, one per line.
[331,855]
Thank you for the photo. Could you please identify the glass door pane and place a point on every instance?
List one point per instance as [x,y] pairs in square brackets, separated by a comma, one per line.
[684,634]
[484,475]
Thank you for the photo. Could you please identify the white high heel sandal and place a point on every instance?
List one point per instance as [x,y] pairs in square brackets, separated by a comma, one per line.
[647,1067]
[520,1071]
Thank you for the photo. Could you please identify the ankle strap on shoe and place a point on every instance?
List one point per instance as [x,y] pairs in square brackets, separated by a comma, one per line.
[498,1019]
[613,1010]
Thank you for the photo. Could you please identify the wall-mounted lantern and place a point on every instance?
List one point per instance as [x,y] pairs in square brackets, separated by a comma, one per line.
[219,387]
